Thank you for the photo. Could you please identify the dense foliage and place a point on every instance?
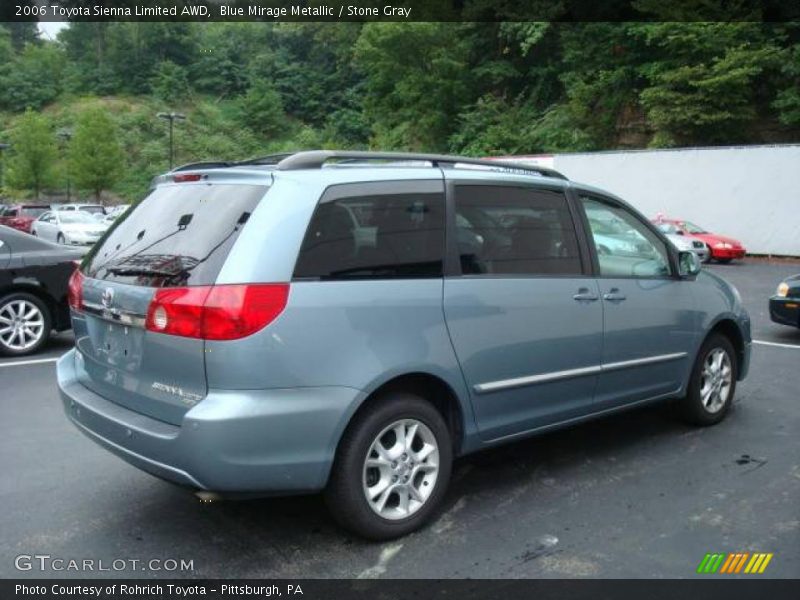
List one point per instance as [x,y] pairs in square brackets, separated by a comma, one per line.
[476,88]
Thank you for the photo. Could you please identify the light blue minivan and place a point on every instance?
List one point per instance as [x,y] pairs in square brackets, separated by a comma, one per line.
[352,321]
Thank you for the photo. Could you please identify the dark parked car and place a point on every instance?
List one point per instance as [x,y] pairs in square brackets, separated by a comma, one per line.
[21,216]
[34,275]
[784,306]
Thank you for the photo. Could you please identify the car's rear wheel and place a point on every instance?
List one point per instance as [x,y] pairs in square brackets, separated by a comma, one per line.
[724,261]
[25,324]
[391,468]
[713,382]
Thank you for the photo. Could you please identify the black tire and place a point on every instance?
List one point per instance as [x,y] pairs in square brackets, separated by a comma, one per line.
[724,261]
[345,494]
[60,239]
[692,407]
[5,350]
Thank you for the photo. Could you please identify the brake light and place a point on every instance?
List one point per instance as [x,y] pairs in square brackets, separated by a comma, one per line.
[217,312]
[184,177]
[75,290]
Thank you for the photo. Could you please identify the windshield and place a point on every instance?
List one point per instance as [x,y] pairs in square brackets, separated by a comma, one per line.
[75,217]
[97,209]
[692,228]
[178,235]
[668,228]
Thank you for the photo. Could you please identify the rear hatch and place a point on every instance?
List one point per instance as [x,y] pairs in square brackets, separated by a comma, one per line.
[177,237]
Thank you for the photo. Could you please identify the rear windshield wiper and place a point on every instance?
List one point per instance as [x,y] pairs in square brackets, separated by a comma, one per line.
[142,272]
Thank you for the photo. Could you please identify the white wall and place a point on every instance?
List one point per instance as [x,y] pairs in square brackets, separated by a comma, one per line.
[751,193]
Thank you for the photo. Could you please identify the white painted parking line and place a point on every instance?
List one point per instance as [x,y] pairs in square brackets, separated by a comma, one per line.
[22,363]
[777,345]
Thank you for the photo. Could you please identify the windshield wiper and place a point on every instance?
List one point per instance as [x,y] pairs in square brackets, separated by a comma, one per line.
[142,272]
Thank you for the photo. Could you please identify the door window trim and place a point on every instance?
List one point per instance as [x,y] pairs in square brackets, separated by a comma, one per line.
[452,265]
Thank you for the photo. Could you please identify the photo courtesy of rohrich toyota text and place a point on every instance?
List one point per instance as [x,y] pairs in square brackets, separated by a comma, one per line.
[399,299]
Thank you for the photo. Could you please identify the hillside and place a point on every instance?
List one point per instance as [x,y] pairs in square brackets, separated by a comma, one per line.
[249,89]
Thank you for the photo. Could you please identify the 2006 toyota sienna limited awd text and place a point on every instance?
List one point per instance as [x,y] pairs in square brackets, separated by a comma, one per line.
[351,322]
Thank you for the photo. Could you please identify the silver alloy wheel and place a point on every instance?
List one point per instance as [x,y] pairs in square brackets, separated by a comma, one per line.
[21,324]
[716,380]
[401,468]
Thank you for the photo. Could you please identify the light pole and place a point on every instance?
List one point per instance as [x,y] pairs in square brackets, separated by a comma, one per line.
[3,148]
[171,117]
[65,135]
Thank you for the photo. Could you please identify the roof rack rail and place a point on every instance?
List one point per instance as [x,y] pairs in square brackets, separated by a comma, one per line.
[315,159]
[269,159]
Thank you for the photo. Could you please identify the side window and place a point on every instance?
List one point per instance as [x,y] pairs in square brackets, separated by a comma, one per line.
[375,236]
[10,212]
[625,246]
[45,217]
[505,230]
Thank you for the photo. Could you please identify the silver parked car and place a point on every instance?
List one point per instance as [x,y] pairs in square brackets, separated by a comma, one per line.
[351,322]
[683,242]
[75,228]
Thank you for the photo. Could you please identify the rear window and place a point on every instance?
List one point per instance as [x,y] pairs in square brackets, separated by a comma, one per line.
[32,211]
[178,235]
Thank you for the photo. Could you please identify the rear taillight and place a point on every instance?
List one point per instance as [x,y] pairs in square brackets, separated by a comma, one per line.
[75,290]
[218,312]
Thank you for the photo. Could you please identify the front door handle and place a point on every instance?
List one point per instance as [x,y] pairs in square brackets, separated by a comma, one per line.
[614,295]
[584,295]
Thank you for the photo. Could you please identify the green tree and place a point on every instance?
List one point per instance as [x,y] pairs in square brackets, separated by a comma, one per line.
[34,153]
[701,87]
[95,154]
[32,78]
[416,82]
[262,109]
[170,83]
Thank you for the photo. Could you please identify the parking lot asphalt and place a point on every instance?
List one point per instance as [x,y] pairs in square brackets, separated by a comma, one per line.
[635,495]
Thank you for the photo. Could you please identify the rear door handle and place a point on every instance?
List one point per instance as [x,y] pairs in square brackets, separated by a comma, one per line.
[614,295]
[584,295]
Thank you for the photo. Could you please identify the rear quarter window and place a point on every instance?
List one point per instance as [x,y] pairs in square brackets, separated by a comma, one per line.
[178,235]
[393,230]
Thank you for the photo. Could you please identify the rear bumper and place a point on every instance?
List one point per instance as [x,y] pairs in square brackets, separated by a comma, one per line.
[785,311]
[244,441]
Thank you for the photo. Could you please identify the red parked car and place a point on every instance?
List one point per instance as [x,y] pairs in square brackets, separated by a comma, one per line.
[722,249]
[21,216]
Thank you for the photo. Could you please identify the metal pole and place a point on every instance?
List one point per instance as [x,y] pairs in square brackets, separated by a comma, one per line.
[3,148]
[171,117]
[66,135]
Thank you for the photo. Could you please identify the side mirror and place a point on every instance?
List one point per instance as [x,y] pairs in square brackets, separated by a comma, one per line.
[688,264]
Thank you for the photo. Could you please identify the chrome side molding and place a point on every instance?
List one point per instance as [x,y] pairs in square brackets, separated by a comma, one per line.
[505,384]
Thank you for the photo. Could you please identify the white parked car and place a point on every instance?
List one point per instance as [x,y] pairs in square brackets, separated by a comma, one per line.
[683,242]
[75,228]
[94,209]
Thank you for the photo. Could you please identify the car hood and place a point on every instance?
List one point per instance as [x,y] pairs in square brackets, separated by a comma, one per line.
[713,238]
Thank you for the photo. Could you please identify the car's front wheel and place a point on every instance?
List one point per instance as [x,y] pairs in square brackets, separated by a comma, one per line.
[713,382]
[391,469]
[25,324]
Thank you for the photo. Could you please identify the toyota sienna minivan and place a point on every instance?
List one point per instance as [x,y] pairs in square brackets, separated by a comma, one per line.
[351,322]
